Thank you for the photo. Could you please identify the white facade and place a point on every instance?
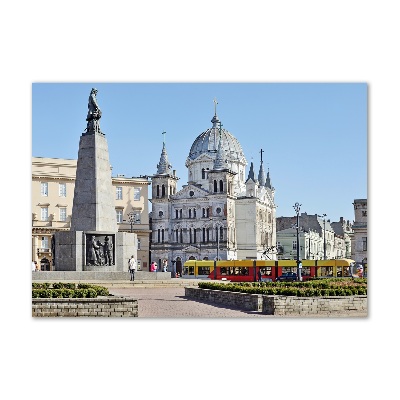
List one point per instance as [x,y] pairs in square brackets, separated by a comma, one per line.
[215,215]
[359,240]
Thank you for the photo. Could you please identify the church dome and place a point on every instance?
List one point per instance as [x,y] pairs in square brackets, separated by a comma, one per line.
[207,143]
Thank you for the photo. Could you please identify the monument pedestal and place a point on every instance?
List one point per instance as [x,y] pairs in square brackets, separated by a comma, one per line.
[71,252]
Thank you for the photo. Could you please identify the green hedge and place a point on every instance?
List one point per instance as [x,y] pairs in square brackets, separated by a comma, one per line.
[67,290]
[312,288]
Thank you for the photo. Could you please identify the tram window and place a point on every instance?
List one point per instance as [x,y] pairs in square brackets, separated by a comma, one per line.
[305,271]
[244,271]
[289,269]
[191,270]
[223,270]
[204,270]
[339,272]
[326,271]
[266,271]
[185,270]
[346,271]
[237,270]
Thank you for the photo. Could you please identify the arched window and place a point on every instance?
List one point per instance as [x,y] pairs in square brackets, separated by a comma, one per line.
[163,191]
[203,173]
[204,235]
[221,186]
[190,213]
[158,191]
[215,186]
[221,233]
[190,235]
[176,214]
[208,212]
[158,236]
[162,235]
[194,213]
[194,235]
[176,235]
[180,213]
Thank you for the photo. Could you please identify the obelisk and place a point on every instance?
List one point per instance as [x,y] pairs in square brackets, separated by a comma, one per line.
[93,242]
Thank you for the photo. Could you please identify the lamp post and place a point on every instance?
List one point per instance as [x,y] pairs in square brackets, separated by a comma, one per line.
[323,216]
[297,209]
[131,219]
[217,243]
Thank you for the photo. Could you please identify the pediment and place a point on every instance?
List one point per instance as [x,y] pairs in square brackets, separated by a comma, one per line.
[190,192]
[190,249]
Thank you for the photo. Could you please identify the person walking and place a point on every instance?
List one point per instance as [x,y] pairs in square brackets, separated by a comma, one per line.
[165,266]
[132,267]
[152,267]
[259,275]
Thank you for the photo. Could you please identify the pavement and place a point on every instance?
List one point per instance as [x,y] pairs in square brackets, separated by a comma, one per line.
[166,299]
[170,302]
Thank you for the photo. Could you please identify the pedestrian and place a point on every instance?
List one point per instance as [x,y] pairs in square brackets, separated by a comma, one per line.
[132,267]
[155,267]
[152,267]
[33,266]
[259,275]
[165,266]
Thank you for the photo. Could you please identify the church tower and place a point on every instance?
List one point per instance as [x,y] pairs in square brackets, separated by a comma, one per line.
[164,184]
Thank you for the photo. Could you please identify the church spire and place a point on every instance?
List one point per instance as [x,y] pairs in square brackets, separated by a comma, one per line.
[163,167]
[251,173]
[268,181]
[261,173]
[215,121]
[219,162]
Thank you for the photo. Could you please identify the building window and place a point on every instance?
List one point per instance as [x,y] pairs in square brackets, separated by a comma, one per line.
[136,217]
[44,213]
[44,189]
[364,243]
[119,216]
[62,189]
[294,245]
[203,174]
[163,191]
[176,214]
[221,186]
[190,213]
[364,213]
[45,242]
[136,194]
[215,186]
[63,214]
[119,193]
[180,213]
[138,244]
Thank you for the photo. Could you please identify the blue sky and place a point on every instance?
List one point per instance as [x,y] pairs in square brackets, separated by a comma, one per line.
[314,135]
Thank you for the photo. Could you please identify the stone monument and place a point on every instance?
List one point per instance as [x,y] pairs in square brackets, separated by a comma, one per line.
[93,243]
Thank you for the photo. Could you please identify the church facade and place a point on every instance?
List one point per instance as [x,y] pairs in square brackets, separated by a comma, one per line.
[220,213]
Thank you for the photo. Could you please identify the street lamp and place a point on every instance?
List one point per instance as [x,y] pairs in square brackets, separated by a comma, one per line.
[131,219]
[323,216]
[297,209]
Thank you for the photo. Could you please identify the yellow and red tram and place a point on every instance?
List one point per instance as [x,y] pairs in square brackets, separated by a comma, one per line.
[248,270]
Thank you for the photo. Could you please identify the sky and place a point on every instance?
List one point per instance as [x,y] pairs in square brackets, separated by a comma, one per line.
[257,41]
[313,135]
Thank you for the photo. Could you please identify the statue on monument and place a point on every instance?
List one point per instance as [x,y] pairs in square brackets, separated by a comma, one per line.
[107,250]
[94,255]
[94,114]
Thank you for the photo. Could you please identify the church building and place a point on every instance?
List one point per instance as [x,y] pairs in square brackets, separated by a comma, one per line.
[220,213]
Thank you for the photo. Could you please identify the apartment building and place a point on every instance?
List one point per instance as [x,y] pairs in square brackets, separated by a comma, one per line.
[52,191]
